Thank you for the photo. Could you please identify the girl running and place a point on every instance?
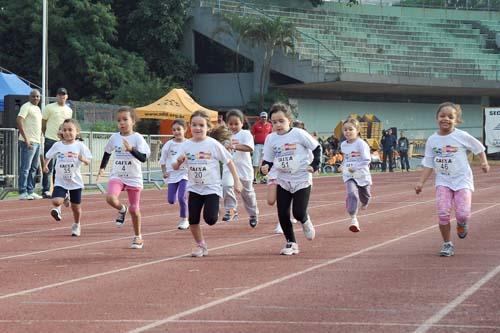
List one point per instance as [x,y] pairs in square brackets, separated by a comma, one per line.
[176,179]
[202,155]
[355,170]
[446,154]
[289,151]
[70,154]
[242,145]
[130,150]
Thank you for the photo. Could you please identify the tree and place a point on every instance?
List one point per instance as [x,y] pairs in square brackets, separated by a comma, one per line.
[270,34]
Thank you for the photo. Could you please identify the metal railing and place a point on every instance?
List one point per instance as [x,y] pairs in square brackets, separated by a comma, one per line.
[95,141]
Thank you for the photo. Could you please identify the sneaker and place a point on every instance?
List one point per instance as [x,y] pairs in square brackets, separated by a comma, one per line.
[25,196]
[75,230]
[200,251]
[56,214]
[36,196]
[290,249]
[137,243]
[462,230]
[230,215]
[293,220]
[46,195]
[278,229]
[447,250]
[354,227]
[253,221]
[308,229]
[120,220]
[183,224]
[66,200]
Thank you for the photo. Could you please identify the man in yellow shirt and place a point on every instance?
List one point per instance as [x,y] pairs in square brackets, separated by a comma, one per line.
[54,115]
[29,123]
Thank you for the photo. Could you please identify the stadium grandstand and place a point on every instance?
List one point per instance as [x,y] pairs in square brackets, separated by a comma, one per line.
[393,61]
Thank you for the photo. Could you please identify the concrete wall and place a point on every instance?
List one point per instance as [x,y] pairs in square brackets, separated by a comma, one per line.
[221,90]
[418,120]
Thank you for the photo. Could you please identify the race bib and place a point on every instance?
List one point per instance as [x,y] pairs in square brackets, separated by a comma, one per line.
[199,174]
[65,170]
[445,165]
[122,168]
[288,164]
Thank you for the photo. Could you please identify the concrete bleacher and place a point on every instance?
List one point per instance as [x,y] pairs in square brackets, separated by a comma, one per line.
[384,44]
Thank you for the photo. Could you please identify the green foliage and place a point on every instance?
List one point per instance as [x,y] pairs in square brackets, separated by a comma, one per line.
[316,3]
[139,93]
[271,97]
[96,48]
[99,126]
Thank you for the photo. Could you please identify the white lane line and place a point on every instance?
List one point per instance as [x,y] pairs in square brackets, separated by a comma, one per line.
[282,279]
[83,278]
[429,323]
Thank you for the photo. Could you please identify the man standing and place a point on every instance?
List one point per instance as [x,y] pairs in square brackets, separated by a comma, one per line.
[260,130]
[403,145]
[29,123]
[388,145]
[54,115]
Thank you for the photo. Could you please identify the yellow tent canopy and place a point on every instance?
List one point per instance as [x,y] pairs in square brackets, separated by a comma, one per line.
[176,104]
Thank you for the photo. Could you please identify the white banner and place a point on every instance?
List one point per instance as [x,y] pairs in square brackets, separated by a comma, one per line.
[492,129]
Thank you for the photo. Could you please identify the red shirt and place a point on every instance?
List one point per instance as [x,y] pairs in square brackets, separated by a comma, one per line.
[260,130]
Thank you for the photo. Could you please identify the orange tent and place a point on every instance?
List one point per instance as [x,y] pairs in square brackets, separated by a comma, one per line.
[176,104]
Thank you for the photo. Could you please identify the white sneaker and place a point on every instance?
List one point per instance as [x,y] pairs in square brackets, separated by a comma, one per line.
[278,229]
[183,224]
[137,243]
[75,230]
[293,220]
[25,196]
[56,214]
[354,226]
[290,248]
[66,200]
[447,250]
[36,196]
[200,251]
[308,229]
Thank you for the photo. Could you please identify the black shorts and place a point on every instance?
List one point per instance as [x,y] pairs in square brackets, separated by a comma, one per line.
[75,196]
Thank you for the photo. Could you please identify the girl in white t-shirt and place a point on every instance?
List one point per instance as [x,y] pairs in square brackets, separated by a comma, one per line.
[69,155]
[355,170]
[130,150]
[202,155]
[288,150]
[446,154]
[242,144]
[176,179]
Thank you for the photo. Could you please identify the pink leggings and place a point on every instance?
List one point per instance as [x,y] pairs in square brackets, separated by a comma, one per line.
[115,186]
[446,198]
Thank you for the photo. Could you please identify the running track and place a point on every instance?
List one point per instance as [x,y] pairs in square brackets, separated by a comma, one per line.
[387,278]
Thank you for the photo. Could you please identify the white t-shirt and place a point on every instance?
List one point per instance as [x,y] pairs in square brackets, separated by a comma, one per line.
[169,154]
[447,155]
[242,159]
[67,164]
[356,156]
[202,159]
[291,156]
[126,167]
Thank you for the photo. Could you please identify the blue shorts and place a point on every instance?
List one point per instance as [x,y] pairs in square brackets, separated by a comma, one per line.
[75,196]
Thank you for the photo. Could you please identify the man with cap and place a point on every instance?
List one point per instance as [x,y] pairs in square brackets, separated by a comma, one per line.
[54,115]
[260,130]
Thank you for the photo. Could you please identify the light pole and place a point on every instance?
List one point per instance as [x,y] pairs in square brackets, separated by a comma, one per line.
[45,29]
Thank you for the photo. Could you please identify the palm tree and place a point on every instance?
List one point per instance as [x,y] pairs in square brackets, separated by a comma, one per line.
[271,34]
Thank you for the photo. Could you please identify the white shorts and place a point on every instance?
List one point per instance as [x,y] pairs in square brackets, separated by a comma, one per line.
[257,155]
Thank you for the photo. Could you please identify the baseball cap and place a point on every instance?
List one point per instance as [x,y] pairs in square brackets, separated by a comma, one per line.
[263,115]
[62,91]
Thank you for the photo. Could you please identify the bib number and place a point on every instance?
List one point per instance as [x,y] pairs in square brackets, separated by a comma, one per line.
[199,174]
[288,164]
[445,165]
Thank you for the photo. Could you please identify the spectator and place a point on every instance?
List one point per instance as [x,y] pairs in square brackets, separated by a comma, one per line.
[29,123]
[260,130]
[53,116]
[403,145]
[299,124]
[388,143]
[333,142]
[220,120]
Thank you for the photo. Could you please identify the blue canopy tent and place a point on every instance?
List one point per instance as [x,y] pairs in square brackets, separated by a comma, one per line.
[11,84]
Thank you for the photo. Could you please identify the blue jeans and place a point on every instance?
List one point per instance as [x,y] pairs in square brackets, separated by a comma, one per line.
[46,176]
[28,165]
